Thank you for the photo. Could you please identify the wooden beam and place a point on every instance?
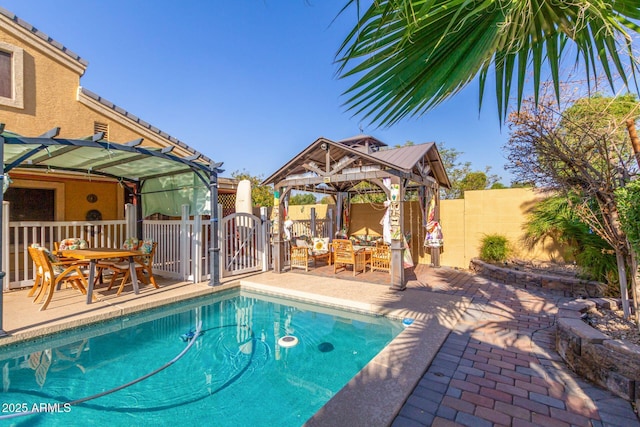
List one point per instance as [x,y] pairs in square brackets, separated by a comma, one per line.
[327,160]
[380,184]
[343,163]
[312,167]
[340,178]
[422,180]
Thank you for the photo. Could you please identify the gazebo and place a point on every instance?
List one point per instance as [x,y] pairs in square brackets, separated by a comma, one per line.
[336,167]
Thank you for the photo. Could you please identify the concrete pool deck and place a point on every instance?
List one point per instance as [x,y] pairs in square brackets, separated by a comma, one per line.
[478,353]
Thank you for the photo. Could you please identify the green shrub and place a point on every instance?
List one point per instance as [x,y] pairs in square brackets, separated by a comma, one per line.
[555,218]
[494,248]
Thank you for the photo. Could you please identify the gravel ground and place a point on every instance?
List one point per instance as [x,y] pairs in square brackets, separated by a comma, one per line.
[613,323]
[610,322]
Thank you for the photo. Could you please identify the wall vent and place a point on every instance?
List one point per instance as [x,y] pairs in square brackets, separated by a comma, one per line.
[101,127]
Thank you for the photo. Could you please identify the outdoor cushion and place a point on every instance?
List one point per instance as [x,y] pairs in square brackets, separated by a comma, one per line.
[301,243]
[320,244]
[131,244]
[146,246]
[73,243]
[52,257]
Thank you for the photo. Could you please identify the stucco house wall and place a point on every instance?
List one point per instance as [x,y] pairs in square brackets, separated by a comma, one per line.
[47,81]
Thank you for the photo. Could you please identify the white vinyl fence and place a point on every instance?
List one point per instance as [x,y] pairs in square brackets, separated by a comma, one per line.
[182,252]
[183,245]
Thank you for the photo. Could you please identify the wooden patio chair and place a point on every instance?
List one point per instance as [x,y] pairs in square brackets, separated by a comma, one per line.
[143,264]
[381,258]
[39,268]
[300,257]
[344,254]
[38,271]
[302,253]
[130,243]
[53,274]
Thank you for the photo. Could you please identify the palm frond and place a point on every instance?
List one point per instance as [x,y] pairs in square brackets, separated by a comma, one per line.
[410,55]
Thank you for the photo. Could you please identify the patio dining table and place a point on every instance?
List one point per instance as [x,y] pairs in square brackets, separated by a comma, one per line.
[96,254]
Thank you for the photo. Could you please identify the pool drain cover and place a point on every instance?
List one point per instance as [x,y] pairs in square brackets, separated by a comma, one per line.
[325,347]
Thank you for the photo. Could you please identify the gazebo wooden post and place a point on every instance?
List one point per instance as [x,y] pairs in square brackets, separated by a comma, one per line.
[396,217]
[278,242]
[339,208]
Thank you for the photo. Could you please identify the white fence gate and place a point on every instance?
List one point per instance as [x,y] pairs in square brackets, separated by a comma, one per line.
[242,244]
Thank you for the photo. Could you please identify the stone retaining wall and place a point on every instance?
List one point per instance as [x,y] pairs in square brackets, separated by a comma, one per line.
[612,364]
[565,285]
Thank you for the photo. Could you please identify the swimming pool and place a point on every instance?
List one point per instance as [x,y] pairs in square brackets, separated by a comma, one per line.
[260,360]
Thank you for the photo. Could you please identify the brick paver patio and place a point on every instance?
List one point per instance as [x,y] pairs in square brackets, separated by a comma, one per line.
[499,366]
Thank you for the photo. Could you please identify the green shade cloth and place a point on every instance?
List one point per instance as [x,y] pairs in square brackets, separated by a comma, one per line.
[166,195]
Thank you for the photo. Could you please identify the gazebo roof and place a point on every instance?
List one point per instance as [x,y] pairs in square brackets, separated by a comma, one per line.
[327,166]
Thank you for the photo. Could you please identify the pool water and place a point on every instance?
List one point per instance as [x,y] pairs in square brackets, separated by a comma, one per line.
[234,374]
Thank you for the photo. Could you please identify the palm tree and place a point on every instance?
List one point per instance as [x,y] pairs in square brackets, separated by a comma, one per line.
[410,55]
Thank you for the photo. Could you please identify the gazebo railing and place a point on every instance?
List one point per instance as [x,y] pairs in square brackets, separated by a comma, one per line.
[305,227]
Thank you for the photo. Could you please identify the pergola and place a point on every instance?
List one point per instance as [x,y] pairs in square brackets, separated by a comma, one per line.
[129,163]
[336,167]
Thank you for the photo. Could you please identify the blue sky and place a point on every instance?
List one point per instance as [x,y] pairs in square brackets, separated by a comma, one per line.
[250,83]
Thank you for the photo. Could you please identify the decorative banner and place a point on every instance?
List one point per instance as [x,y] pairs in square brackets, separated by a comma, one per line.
[386,223]
[395,192]
[394,212]
[346,204]
[434,238]
[276,213]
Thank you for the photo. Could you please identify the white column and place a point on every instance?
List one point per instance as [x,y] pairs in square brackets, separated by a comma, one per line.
[196,249]
[264,236]
[131,220]
[184,244]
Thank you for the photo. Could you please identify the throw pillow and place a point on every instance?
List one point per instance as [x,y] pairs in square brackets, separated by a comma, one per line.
[146,246]
[72,244]
[320,244]
[131,244]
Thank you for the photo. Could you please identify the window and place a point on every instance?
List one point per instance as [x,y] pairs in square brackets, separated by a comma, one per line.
[6,80]
[11,76]
[30,204]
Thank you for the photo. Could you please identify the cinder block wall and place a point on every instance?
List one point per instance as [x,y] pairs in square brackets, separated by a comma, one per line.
[466,221]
